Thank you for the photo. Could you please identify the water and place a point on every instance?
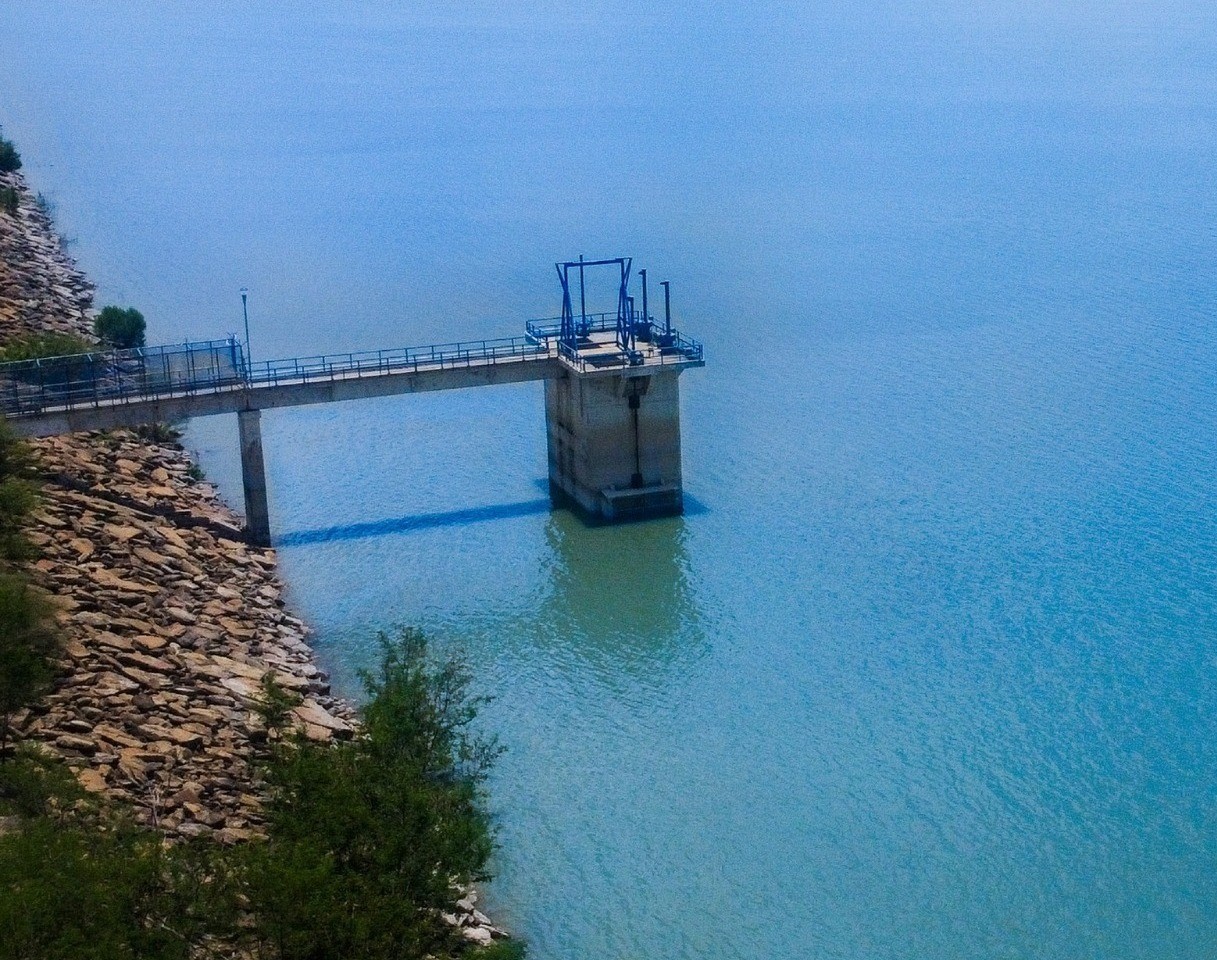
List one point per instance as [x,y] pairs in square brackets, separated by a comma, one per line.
[927,669]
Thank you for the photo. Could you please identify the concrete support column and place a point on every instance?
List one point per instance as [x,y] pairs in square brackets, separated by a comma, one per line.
[253,478]
[614,444]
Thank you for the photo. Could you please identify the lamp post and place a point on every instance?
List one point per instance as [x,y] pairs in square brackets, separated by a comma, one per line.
[245,312]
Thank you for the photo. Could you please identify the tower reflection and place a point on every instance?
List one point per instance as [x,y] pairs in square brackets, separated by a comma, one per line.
[619,597]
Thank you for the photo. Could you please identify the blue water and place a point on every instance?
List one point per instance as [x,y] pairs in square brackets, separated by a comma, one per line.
[928,669]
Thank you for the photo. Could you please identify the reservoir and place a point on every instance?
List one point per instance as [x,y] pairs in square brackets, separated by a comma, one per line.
[926,669]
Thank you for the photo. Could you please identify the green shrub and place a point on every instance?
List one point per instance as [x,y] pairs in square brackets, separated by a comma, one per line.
[80,890]
[18,496]
[371,839]
[10,159]
[10,200]
[34,783]
[35,346]
[28,643]
[162,433]
[119,327]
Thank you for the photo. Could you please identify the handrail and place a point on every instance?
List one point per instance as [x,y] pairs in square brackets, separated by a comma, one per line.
[29,387]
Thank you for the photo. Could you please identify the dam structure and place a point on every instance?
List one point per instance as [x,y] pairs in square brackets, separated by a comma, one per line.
[612,399]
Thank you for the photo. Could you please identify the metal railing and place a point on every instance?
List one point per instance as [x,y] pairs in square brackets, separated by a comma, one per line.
[655,347]
[444,356]
[590,323]
[32,387]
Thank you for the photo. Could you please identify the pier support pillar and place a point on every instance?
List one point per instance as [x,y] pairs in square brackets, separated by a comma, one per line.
[253,478]
[614,444]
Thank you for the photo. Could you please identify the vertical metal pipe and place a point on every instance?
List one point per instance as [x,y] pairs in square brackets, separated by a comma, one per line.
[646,316]
[245,313]
[667,308]
[582,298]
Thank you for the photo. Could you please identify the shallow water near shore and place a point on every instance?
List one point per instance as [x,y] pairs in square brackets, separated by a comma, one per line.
[927,669]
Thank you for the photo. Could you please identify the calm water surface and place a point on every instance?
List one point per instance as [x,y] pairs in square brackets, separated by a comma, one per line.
[928,668]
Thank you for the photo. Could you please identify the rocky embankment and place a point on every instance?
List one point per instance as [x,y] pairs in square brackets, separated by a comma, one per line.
[170,620]
[40,287]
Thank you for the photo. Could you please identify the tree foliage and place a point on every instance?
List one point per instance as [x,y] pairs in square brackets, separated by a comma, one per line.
[28,643]
[368,842]
[10,159]
[28,640]
[371,839]
[76,889]
[120,327]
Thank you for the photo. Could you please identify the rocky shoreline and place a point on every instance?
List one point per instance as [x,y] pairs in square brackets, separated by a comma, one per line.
[171,621]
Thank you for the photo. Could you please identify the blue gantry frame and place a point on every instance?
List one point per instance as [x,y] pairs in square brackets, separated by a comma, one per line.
[572,331]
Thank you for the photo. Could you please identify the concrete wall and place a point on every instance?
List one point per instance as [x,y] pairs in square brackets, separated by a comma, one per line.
[614,444]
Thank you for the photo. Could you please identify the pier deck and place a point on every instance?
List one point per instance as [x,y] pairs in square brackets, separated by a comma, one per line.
[611,455]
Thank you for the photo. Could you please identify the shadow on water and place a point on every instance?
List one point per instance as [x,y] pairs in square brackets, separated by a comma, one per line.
[615,600]
[422,521]
[446,518]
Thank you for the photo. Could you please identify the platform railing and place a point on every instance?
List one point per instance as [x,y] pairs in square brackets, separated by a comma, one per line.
[405,360]
[31,387]
[590,323]
[140,373]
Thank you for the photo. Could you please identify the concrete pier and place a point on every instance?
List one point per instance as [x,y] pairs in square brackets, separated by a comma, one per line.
[614,443]
[612,401]
[253,478]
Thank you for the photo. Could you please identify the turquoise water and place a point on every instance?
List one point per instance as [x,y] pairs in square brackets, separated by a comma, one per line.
[928,668]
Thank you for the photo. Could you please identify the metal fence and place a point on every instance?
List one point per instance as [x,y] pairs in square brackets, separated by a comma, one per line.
[30,386]
[408,359]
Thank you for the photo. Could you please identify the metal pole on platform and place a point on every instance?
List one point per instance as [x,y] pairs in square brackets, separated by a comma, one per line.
[245,311]
[646,315]
[582,298]
[667,308]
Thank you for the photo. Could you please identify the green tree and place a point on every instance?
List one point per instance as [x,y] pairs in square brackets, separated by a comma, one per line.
[28,640]
[122,328]
[371,839]
[86,888]
[28,643]
[10,159]
[17,494]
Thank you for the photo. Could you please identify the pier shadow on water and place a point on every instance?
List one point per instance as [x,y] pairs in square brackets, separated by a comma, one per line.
[612,600]
[421,521]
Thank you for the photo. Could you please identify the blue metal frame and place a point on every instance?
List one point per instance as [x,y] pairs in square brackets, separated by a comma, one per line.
[571,332]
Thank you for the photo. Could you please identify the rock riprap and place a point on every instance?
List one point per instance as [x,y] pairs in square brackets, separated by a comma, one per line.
[170,620]
[170,628]
[41,288]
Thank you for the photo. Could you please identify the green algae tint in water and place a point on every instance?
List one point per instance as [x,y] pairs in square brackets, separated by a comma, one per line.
[927,669]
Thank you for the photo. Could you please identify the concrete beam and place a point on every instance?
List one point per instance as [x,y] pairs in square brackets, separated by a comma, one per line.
[108,416]
[253,478]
